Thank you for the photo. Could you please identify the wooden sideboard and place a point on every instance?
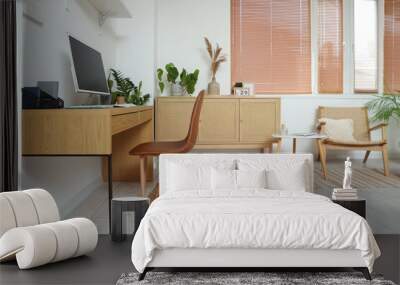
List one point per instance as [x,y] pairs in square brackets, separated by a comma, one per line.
[226,122]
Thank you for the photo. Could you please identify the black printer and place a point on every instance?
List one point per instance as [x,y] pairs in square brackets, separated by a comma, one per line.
[36,98]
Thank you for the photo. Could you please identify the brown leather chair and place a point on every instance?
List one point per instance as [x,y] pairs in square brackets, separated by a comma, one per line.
[156,148]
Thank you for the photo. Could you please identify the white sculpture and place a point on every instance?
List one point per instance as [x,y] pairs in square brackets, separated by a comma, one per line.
[347,174]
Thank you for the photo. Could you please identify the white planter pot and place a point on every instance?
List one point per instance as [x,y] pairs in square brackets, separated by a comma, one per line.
[176,89]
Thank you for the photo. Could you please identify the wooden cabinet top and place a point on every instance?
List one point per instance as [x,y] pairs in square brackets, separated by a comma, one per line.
[217,97]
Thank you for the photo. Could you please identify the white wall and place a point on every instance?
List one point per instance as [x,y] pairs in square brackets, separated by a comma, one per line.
[174,33]
[181,28]
[136,43]
[45,57]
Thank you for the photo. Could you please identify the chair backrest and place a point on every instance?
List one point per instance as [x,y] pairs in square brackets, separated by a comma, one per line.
[26,208]
[193,131]
[359,115]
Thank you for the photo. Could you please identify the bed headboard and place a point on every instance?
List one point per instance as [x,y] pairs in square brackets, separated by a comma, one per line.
[232,159]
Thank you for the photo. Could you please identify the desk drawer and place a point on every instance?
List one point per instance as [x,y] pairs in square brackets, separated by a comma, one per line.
[146,116]
[123,122]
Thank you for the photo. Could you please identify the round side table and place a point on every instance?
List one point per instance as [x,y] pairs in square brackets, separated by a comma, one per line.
[294,138]
[139,205]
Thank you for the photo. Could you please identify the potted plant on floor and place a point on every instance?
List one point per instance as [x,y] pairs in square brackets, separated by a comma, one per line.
[186,84]
[216,59]
[126,91]
[386,106]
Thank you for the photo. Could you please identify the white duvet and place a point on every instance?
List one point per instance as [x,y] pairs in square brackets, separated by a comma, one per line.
[250,219]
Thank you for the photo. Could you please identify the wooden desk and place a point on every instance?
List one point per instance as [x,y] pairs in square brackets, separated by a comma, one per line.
[109,133]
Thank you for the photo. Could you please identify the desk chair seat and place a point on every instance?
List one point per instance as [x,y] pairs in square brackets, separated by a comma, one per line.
[156,148]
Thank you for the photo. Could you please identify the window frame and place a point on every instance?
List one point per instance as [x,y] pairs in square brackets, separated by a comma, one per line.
[368,91]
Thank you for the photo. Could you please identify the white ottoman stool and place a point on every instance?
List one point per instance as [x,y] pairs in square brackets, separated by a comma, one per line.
[31,232]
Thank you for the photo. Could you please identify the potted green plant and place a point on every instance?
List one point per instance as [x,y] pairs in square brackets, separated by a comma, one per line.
[125,91]
[383,107]
[186,84]
[188,81]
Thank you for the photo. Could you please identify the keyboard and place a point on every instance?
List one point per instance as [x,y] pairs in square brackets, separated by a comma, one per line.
[90,107]
[127,105]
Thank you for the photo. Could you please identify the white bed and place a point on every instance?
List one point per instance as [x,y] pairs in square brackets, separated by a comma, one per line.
[198,222]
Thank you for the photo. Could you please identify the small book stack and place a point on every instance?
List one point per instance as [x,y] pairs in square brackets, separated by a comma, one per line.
[344,194]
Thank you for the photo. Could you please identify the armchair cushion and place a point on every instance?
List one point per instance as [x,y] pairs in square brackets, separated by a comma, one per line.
[339,129]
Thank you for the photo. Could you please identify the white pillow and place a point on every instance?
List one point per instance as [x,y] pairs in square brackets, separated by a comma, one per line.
[251,178]
[341,129]
[182,177]
[223,179]
[283,173]
[293,180]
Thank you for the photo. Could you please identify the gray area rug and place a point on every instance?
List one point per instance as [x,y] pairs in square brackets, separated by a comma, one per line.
[268,278]
[382,193]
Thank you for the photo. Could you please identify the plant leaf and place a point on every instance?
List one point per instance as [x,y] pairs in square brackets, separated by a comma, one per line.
[209,47]
[172,72]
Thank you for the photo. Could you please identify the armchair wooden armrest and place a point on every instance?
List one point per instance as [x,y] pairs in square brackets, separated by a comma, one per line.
[319,126]
[380,126]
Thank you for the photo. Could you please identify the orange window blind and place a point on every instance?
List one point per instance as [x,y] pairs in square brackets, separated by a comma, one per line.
[392,46]
[330,63]
[271,45]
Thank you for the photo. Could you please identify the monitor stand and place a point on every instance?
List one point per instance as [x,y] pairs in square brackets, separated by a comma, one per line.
[96,99]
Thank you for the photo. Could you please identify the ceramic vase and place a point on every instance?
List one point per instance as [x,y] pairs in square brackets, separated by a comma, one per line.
[213,87]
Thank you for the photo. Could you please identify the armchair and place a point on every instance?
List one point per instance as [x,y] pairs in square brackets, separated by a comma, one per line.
[362,135]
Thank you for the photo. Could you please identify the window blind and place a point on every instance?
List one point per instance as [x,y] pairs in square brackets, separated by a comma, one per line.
[392,46]
[271,45]
[330,62]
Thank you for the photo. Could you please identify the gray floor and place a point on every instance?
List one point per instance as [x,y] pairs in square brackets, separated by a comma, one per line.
[110,260]
[103,266]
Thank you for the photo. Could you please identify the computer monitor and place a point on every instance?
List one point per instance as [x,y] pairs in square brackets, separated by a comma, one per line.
[87,68]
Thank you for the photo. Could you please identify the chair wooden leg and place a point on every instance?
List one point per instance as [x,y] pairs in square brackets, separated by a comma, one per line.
[267,149]
[155,193]
[385,161]
[322,155]
[366,156]
[294,145]
[143,170]
[278,146]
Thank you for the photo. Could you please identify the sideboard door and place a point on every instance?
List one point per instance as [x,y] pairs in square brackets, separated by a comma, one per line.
[173,118]
[219,121]
[259,119]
